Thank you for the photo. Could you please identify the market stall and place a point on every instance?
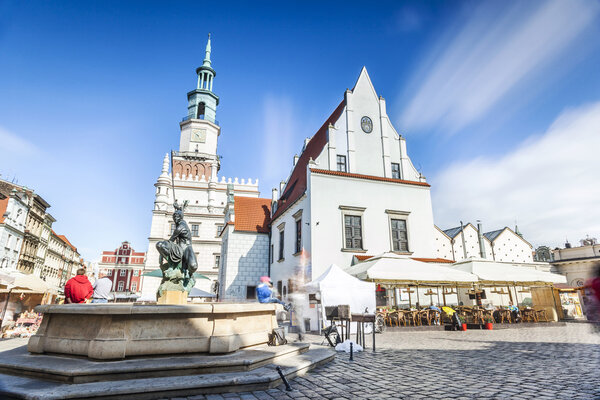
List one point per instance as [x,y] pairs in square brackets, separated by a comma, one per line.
[503,283]
[335,287]
[407,283]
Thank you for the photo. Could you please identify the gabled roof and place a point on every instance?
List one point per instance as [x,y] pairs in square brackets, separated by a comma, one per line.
[492,235]
[452,232]
[296,185]
[252,214]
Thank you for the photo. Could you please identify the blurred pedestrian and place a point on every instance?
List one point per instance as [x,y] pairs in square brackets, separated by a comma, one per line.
[102,288]
[78,289]
[264,293]
[299,300]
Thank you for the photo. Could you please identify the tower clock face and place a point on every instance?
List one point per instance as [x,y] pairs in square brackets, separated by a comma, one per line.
[199,135]
[366,124]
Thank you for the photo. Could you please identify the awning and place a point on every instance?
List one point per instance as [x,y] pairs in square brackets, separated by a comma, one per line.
[195,292]
[18,281]
[493,272]
[402,269]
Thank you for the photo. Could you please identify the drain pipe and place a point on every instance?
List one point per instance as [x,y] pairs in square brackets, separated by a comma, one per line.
[462,234]
[480,238]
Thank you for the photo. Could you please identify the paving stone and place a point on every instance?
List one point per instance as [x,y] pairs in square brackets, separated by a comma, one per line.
[500,364]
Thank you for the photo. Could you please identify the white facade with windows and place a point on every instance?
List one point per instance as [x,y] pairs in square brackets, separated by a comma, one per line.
[12,228]
[360,194]
[504,245]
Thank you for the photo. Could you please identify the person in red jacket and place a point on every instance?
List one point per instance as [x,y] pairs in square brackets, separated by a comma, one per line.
[78,289]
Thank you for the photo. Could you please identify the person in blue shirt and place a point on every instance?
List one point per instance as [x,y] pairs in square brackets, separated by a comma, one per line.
[264,293]
[516,313]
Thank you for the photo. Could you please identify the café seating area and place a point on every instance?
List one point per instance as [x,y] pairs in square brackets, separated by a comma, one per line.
[394,317]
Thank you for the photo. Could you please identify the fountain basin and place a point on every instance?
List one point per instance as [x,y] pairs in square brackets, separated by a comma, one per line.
[117,331]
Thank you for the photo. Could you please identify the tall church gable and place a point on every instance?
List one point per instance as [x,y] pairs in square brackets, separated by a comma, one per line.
[364,141]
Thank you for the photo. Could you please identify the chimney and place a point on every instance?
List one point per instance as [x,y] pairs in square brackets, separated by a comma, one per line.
[480,238]
[462,234]
[281,187]
[273,201]
[296,159]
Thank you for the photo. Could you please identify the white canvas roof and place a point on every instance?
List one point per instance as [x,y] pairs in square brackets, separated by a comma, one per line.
[394,267]
[18,280]
[493,271]
[336,287]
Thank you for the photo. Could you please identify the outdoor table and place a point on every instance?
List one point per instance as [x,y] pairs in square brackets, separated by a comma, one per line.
[360,320]
[529,315]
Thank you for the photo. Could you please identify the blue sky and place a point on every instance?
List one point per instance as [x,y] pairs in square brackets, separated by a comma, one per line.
[498,101]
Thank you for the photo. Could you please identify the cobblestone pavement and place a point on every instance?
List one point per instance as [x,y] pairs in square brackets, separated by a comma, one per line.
[542,363]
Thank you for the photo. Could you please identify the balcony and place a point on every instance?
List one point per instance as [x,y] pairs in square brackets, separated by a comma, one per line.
[188,117]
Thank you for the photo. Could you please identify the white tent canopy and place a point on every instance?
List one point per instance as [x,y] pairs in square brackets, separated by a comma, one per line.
[336,287]
[393,267]
[18,280]
[493,271]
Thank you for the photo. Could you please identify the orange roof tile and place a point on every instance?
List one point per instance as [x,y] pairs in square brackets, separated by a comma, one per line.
[252,214]
[64,239]
[296,185]
[361,257]
[433,260]
[369,177]
[3,206]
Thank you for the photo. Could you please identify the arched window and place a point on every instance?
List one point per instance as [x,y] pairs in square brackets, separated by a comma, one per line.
[200,114]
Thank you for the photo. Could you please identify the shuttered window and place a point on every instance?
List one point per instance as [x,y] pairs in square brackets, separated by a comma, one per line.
[353,231]
[399,235]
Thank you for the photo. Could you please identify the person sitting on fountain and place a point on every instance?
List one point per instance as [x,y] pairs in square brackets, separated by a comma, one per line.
[264,293]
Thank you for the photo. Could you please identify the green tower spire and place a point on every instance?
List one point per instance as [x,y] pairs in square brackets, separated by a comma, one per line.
[206,62]
[202,102]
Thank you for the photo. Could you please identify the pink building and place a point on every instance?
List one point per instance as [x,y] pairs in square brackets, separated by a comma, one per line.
[123,267]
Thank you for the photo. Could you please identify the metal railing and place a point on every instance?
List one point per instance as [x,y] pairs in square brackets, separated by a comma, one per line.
[202,116]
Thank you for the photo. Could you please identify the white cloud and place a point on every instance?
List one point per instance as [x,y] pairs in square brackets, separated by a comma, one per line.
[278,139]
[491,53]
[12,144]
[550,184]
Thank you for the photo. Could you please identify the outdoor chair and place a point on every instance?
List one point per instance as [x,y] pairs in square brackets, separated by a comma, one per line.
[392,317]
[541,313]
[402,317]
[505,315]
[424,317]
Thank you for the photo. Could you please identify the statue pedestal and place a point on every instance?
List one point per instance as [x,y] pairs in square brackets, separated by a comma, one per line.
[173,297]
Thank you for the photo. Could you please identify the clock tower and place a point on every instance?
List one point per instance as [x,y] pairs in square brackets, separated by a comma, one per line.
[197,156]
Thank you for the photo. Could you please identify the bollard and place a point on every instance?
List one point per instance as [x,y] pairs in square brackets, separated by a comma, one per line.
[284,379]
[351,352]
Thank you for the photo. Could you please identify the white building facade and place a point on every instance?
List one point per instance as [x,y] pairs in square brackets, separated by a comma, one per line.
[244,248]
[194,178]
[353,191]
[13,215]
[503,245]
